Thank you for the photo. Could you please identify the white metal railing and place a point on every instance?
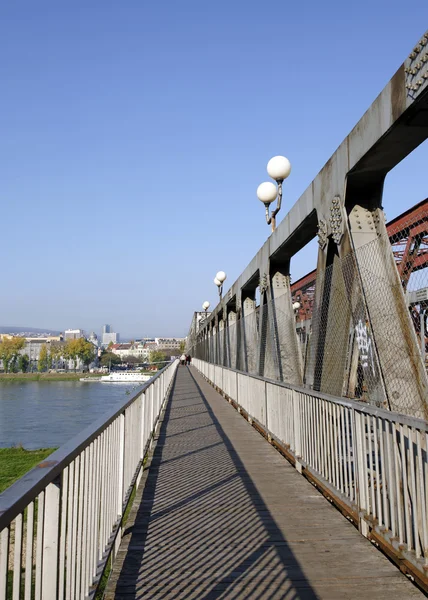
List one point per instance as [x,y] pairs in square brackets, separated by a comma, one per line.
[60,523]
[371,460]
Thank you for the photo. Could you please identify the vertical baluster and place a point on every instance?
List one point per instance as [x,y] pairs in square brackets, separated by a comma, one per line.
[4,561]
[63,535]
[337,447]
[391,478]
[39,545]
[91,511]
[383,463]
[29,552]
[345,454]
[51,525]
[422,497]
[397,472]
[366,466]
[85,530]
[97,500]
[70,532]
[378,470]
[351,452]
[406,502]
[370,467]
[324,437]
[75,527]
[81,500]
[414,500]
[17,558]
[102,502]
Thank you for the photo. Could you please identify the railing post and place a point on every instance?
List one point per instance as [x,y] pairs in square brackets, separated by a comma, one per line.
[360,470]
[120,475]
[51,540]
[297,440]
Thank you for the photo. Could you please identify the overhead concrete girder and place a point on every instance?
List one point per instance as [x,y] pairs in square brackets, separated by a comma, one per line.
[394,125]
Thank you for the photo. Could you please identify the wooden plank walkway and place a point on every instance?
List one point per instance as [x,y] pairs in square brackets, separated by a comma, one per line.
[224,515]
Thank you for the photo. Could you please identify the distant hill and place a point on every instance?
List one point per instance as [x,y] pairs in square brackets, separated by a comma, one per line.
[20,328]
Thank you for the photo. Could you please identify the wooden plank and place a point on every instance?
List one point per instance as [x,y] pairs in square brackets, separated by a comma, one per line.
[220,513]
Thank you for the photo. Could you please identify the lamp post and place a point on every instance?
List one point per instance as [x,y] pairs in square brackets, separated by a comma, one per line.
[205,306]
[278,168]
[219,279]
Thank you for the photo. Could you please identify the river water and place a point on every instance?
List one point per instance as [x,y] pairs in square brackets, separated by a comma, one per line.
[44,414]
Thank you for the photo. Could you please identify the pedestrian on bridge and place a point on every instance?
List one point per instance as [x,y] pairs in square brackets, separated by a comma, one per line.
[183,360]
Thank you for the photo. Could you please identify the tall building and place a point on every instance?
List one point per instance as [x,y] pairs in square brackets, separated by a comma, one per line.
[107,329]
[73,334]
[110,337]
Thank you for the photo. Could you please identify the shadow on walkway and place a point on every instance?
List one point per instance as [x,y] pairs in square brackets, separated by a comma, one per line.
[202,529]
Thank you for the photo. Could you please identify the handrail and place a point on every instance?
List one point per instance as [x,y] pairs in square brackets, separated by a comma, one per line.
[29,485]
[66,514]
[370,462]
[368,409]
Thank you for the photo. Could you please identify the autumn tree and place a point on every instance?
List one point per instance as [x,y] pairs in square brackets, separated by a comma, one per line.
[108,358]
[156,356]
[9,351]
[56,351]
[85,351]
[182,347]
[43,359]
[23,362]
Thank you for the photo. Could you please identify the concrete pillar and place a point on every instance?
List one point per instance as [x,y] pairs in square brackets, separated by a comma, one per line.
[231,340]
[286,348]
[248,334]
[221,342]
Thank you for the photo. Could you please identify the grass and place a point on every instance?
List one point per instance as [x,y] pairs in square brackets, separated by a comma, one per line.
[69,376]
[15,462]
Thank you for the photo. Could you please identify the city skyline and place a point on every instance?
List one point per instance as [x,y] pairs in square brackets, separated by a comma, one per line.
[125,190]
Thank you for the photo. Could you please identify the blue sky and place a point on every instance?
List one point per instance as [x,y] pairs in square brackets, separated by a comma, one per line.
[134,136]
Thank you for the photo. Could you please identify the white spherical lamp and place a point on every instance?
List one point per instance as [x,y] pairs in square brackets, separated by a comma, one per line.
[279,168]
[221,276]
[267,192]
[206,305]
[296,305]
[217,282]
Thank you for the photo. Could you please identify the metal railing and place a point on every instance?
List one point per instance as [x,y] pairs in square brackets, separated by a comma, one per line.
[61,522]
[371,461]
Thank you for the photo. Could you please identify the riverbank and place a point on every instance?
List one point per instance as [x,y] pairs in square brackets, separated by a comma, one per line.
[45,376]
[15,462]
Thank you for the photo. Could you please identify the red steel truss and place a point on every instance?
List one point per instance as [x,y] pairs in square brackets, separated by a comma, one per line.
[408,234]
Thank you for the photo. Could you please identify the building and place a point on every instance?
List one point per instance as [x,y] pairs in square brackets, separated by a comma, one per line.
[93,338]
[73,334]
[107,329]
[169,343]
[110,337]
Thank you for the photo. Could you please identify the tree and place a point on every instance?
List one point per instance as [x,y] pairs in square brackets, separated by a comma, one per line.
[132,360]
[9,351]
[23,362]
[70,351]
[108,358]
[182,346]
[85,351]
[56,353]
[43,359]
[156,356]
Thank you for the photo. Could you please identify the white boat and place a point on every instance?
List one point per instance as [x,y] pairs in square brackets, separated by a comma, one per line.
[125,377]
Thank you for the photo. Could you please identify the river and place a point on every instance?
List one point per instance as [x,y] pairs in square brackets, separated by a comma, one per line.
[44,414]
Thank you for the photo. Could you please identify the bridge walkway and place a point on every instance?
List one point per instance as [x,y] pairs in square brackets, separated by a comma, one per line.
[223,515]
